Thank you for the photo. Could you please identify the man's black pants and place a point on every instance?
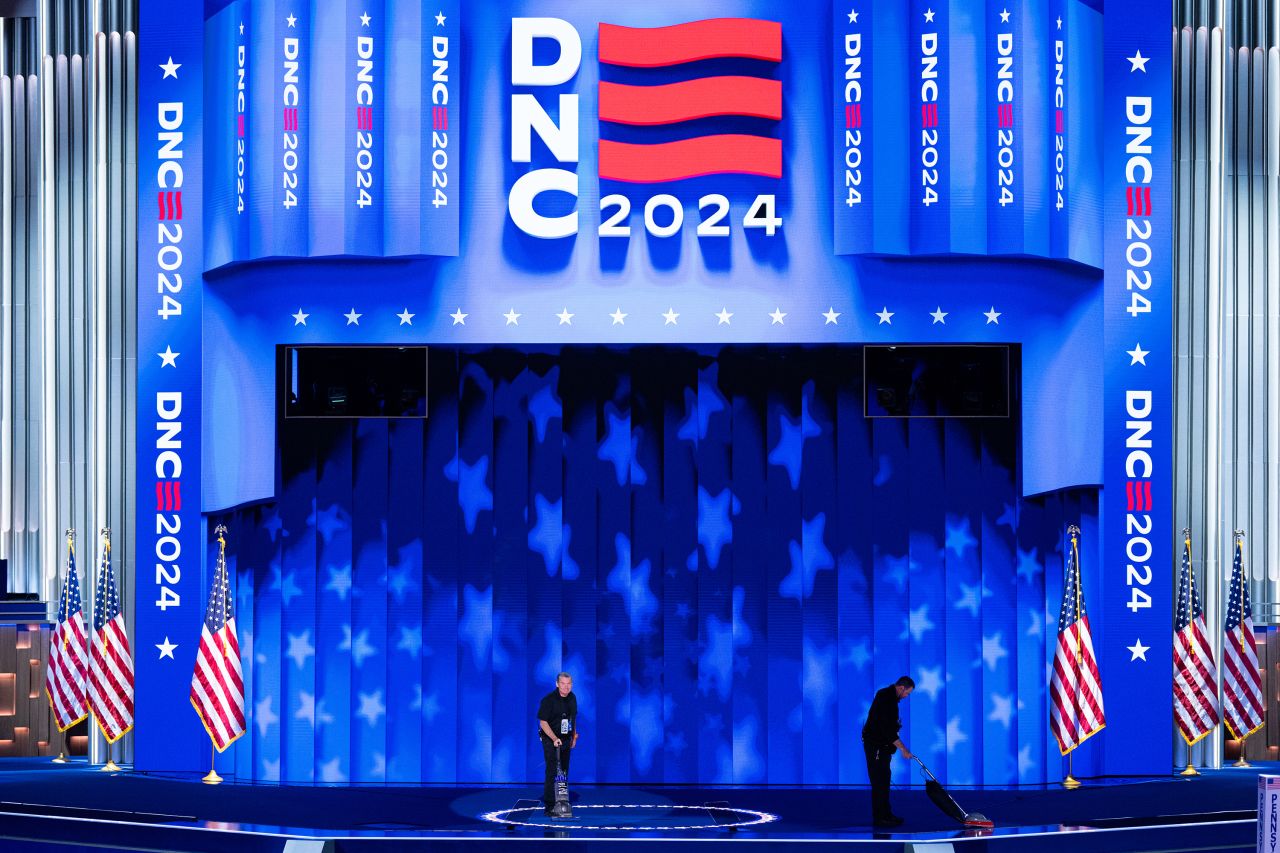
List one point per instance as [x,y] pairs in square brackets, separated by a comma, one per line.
[549,755]
[878,758]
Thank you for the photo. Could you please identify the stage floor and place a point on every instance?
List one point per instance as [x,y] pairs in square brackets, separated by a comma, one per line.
[48,807]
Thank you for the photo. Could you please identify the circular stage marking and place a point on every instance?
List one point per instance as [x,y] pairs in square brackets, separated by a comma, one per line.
[749,817]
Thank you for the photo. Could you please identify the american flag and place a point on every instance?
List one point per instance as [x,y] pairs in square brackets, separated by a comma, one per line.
[217,686]
[1195,676]
[68,651]
[1241,681]
[1075,690]
[111,661]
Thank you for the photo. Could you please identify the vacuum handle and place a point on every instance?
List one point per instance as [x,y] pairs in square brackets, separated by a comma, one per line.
[925,769]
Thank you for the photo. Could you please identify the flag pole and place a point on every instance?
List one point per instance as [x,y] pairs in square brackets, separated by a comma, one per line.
[110,766]
[1071,782]
[62,743]
[1191,585]
[1239,534]
[213,778]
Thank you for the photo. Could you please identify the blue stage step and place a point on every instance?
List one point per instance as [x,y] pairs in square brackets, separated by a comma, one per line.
[24,611]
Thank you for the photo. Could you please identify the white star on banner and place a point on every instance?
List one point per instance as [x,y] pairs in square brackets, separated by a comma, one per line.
[168,358]
[723,316]
[459,319]
[992,650]
[360,647]
[669,318]
[353,319]
[939,316]
[166,649]
[300,648]
[929,681]
[242,28]
[513,319]
[339,581]
[853,16]
[365,19]
[618,317]
[885,315]
[776,316]
[1059,22]
[406,318]
[1138,354]
[291,20]
[1004,16]
[371,707]
[439,19]
[928,15]
[993,316]
[566,319]
[1138,651]
[1138,62]
[264,715]
[300,319]
[170,68]
[832,317]
[1001,710]
[916,624]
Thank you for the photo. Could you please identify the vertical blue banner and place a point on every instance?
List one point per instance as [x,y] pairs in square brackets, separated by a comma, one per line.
[854,205]
[169,605]
[1136,512]
[226,86]
[929,93]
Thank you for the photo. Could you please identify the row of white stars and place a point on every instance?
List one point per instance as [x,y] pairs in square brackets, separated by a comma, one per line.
[364,21]
[929,15]
[670,317]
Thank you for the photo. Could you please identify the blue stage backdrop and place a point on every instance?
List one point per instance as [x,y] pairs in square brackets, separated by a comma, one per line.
[700,537]
[505,176]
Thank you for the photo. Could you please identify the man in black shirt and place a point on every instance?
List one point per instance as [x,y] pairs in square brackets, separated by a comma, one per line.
[879,740]
[557,723]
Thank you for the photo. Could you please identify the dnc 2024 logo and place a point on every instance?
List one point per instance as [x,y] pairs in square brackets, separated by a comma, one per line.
[669,105]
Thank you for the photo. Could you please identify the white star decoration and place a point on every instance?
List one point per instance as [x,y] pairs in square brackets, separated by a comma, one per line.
[300,319]
[242,28]
[365,19]
[1138,650]
[1138,62]
[406,318]
[170,68]
[939,316]
[618,317]
[459,318]
[1004,16]
[166,649]
[168,358]
[993,316]
[885,315]
[853,16]
[723,317]
[832,317]
[1059,22]
[776,316]
[513,319]
[928,15]
[1138,354]
[291,20]
[439,19]
[669,318]
[353,319]
[566,319]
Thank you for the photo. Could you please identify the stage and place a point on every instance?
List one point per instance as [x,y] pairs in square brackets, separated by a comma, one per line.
[48,807]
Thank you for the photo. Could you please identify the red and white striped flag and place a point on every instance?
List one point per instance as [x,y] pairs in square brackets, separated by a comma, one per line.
[68,651]
[110,660]
[1242,702]
[1075,690]
[1195,676]
[217,685]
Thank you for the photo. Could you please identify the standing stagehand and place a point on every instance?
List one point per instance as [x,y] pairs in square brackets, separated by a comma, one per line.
[557,724]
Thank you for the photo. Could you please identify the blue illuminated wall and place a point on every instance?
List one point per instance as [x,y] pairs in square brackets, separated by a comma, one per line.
[699,536]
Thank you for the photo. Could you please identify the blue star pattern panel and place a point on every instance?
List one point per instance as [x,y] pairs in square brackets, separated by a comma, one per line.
[727,556]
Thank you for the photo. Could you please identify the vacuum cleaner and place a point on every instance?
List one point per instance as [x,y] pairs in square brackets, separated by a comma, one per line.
[948,805]
[560,810]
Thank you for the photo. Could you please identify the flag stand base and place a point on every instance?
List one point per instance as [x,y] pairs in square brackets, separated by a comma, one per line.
[1070,783]
[61,759]
[1190,771]
[213,778]
[110,767]
[1241,762]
